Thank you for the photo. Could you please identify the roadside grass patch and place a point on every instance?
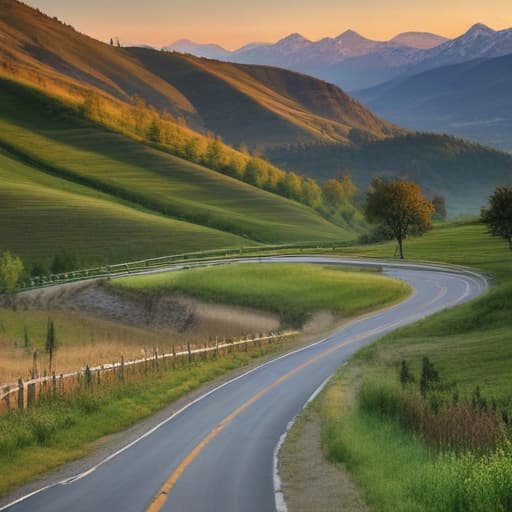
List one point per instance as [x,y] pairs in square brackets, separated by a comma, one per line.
[293,291]
[470,346]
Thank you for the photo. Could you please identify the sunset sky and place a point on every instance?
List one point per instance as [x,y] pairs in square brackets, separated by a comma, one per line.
[233,23]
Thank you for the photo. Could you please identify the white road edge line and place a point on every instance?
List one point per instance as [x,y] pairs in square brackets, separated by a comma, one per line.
[278,491]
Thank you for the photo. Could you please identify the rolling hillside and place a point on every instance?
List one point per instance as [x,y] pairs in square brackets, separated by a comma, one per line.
[42,214]
[284,107]
[126,184]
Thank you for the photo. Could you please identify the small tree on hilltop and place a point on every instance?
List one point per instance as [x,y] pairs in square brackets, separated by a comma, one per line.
[498,215]
[400,208]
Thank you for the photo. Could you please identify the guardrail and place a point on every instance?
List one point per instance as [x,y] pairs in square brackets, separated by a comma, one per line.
[25,394]
[154,263]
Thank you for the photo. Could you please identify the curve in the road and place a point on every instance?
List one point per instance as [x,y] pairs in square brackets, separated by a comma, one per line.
[216,454]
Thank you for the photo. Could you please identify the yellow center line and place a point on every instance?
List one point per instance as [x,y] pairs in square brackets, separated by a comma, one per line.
[160,498]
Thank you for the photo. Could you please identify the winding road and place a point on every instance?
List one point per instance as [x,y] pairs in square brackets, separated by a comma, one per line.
[217,453]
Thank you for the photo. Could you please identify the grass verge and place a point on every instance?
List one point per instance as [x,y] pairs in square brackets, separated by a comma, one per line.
[293,291]
[470,346]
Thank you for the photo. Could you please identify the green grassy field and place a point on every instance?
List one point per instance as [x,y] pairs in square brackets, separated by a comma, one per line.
[45,134]
[41,214]
[292,291]
[471,346]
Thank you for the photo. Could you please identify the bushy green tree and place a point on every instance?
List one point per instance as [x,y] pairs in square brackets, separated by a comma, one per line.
[11,272]
[291,186]
[311,193]
[498,215]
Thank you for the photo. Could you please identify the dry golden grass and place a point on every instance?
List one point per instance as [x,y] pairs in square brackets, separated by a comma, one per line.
[86,339]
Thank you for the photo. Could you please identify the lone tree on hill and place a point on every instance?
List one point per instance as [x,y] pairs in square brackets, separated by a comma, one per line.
[498,215]
[400,208]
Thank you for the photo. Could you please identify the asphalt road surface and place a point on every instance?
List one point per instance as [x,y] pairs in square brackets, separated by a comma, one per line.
[216,455]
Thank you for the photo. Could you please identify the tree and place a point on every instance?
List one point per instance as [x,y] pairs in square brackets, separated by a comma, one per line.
[215,154]
[400,208]
[290,186]
[311,193]
[11,271]
[51,343]
[154,131]
[337,192]
[406,377]
[498,215]
[429,376]
[439,203]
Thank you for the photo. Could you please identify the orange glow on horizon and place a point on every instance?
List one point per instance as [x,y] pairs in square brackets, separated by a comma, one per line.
[232,23]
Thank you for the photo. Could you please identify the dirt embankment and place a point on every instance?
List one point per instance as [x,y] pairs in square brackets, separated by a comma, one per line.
[168,314]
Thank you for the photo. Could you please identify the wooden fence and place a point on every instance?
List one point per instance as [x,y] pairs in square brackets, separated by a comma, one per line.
[25,394]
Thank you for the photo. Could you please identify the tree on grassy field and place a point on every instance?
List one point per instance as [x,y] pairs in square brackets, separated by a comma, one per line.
[11,271]
[498,215]
[439,203]
[400,208]
[51,343]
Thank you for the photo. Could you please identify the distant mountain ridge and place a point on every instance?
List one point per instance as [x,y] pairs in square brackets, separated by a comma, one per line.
[355,62]
[470,99]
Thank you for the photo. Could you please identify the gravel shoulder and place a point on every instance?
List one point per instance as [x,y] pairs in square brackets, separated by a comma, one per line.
[310,482]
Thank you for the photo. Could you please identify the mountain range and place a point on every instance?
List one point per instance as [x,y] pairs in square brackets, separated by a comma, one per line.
[471,100]
[353,62]
[297,121]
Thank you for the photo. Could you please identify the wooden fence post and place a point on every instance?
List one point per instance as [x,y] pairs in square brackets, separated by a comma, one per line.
[189,353]
[54,385]
[174,357]
[121,375]
[216,347]
[20,393]
[31,395]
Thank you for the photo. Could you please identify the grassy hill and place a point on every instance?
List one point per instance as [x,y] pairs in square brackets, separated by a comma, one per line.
[112,179]
[283,106]
[41,214]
